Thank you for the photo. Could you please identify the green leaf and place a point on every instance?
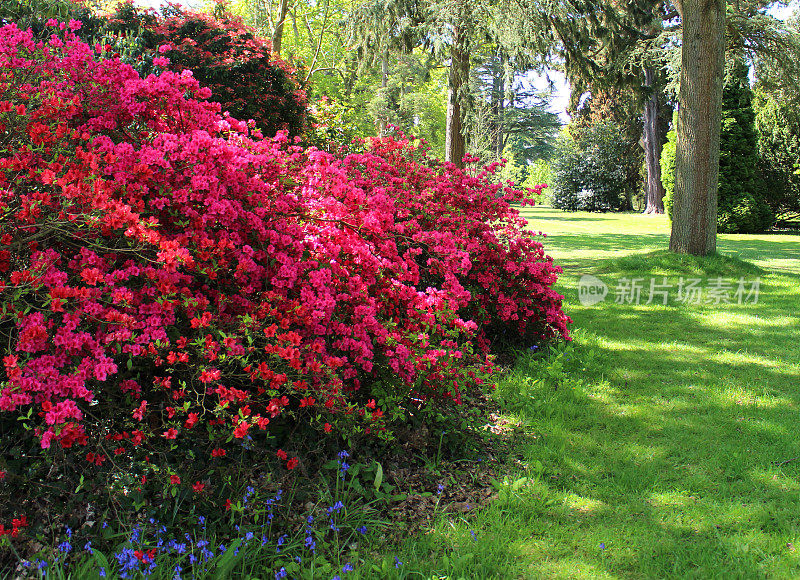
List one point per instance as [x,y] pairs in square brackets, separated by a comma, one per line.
[100,559]
[378,476]
[226,563]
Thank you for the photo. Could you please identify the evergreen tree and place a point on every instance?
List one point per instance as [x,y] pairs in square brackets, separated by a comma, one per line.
[741,204]
[778,127]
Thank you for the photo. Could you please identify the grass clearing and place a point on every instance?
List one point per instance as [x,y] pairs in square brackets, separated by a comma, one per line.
[661,443]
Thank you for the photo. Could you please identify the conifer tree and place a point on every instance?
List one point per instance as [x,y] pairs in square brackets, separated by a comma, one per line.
[741,204]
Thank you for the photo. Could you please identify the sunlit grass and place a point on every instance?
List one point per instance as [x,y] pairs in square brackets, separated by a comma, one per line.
[664,442]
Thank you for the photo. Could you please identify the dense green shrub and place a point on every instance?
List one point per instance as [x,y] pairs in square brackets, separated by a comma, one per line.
[668,170]
[585,177]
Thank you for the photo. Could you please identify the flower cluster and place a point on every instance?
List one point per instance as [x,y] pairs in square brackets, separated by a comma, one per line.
[224,54]
[165,268]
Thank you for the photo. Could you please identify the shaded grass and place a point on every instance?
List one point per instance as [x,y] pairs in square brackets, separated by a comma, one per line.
[663,442]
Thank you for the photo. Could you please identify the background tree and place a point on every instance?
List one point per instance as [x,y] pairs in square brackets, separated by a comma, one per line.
[602,47]
[509,118]
[741,207]
[619,110]
[777,105]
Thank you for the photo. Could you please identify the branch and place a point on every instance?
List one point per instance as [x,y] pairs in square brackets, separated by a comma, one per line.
[319,43]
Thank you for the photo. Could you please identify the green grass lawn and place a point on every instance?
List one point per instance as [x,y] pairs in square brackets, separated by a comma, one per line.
[664,442]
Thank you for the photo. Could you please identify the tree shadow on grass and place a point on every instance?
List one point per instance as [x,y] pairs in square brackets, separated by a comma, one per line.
[680,456]
[581,251]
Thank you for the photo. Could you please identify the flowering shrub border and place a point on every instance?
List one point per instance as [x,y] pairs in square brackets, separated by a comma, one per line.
[174,286]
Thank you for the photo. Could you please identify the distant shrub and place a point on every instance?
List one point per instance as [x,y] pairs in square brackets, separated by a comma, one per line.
[585,177]
[668,170]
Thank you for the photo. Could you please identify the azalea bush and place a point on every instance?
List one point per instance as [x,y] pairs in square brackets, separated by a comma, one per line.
[225,55]
[183,299]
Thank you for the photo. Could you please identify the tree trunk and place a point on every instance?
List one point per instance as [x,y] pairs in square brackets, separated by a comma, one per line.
[652,146]
[454,141]
[498,93]
[384,83]
[277,35]
[694,214]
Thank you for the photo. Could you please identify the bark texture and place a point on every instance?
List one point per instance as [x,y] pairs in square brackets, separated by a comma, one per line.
[381,122]
[653,143]
[455,143]
[277,35]
[694,214]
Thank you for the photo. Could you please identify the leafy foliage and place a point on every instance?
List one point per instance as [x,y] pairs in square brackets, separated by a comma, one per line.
[741,205]
[585,177]
[778,126]
[668,170]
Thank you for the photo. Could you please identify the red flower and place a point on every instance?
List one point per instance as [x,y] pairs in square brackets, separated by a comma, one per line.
[191,421]
[281,454]
[227,505]
[241,429]
[292,463]
[218,452]
[138,413]
[174,479]
[307,401]
[328,427]
[198,487]
[137,438]
[209,375]
[170,433]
